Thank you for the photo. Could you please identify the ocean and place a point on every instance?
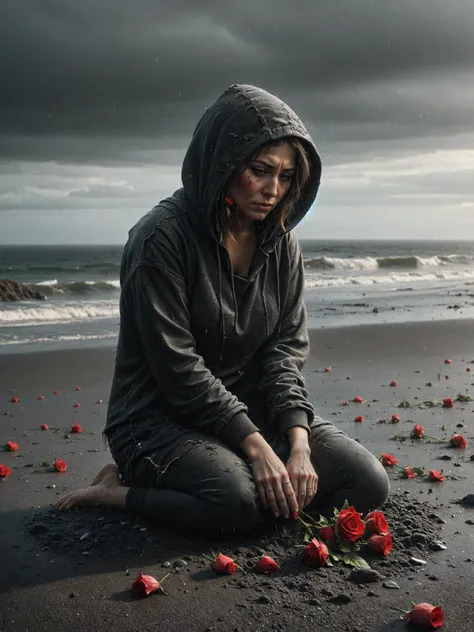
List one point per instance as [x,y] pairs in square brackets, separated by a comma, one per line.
[347,283]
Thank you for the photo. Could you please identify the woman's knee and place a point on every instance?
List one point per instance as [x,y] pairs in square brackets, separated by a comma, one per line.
[374,483]
[239,504]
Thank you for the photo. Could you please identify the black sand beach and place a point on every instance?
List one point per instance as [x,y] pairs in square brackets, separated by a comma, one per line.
[74,571]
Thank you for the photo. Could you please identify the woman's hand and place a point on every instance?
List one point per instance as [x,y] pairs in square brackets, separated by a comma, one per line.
[271,477]
[302,475]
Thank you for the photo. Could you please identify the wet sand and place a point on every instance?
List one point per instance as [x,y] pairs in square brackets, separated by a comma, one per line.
[52,578]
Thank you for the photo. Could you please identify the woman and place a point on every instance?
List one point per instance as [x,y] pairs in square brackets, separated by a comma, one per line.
[209,421]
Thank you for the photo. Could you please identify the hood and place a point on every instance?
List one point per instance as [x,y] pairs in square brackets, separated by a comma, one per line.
[241,119]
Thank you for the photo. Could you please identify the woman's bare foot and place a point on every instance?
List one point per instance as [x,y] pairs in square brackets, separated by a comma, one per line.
[106,490]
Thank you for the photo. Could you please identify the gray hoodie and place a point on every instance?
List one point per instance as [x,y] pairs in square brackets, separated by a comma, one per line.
[200,348]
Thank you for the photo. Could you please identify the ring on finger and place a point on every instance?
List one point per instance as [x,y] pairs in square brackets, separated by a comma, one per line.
[286,483]
[267,491]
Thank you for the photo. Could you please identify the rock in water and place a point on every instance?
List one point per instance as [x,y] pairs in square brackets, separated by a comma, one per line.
[14,291]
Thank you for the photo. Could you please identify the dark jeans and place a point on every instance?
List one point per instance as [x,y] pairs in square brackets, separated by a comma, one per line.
[208,487]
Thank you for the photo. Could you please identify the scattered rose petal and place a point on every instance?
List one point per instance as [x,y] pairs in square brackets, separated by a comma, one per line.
[408,472]
[326,533]
[446,377]
[425,616]
[224,565]
[15,400]
[376,523]
[315,553]
[448,402]
[358,399]
[44,427]
[349,524]
[359,418]
[395,418]
[345,403]
[145,585]
[78,388]
[11,446]
[99,401]
[60,465]
[417,432]
[76,428]
[429,384]
[381,544]
[468,369]
[434,475]
[448,361]
[57,392]
[266,565]
[76,405]
[388,459]
[394,383]
[382,421]
[40,397]
[458,441]
[5,471]
[328,369]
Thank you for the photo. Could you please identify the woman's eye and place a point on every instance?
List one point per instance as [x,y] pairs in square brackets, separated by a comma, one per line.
[258,172]
[286,178]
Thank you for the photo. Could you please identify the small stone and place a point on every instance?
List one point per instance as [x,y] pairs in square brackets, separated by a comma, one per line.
[262,599]
[85,553]
[50,486]
[314,602]
[437,545]
[179,563]
[39,529]
[371,593]
[469,521]
[166,565]
[391,585]
[433,578]
[340,599]
[417,561]
[71,595]
[84,536]
[419,538]
[445,457]
[467,500]
[327,592]
[365,576]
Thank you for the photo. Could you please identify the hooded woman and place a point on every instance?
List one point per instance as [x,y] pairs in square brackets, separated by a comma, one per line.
[209,421]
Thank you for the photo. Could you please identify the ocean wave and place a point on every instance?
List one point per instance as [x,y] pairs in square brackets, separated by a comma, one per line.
[16,340]
[378,263]
[52,287]
[402,277]
[50,314]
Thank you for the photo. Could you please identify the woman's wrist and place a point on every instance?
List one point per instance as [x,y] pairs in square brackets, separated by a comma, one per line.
[298,438]
[253,444]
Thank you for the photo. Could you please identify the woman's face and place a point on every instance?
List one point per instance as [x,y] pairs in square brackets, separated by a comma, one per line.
[261,186]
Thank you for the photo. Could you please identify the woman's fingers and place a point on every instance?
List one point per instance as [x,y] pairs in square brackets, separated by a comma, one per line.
[311,489]
[290,496]
[272,501]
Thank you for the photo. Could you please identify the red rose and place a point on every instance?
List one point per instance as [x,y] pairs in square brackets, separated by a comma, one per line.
[99,401]
[144,585]
[468,369]
[76,428]
[44,427]
[376,523]
[4,471]
[78,388]
[349,525]
[40,397]
[345,403]
[358,399]
[11,446]
[327,369]
[417,432]
[388,460]
[57,392]
[448,361]
[395,418]
[425,616]
[76,405]
[448,402]
[359,419]
[434,475]
[408,473]
[326,533]
[15,400]
[381,544]
[458,441]
[60,465]
[394,383]
[224,565]
[266,565]
[315,553]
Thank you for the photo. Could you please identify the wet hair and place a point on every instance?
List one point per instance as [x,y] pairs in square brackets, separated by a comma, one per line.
[279,215]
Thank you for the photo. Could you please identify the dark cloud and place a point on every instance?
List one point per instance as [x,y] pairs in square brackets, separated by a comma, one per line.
[121,81]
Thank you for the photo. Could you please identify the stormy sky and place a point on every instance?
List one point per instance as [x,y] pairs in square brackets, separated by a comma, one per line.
[98,101]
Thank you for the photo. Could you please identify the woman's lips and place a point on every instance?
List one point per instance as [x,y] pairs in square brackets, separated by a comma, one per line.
[263,207]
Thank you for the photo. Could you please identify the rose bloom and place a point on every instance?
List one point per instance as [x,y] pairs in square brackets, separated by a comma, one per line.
[315,553]
[376,522]
[395,418]
[418,431]
[12,446]
[388,459]
[381,544]
[224,565]
[349,525]
[60,465]
[408,473]
[425,616]
[448,402]
[266,565]
[5,471]
[458,441]
[434,475]
[144,585]
[326,533]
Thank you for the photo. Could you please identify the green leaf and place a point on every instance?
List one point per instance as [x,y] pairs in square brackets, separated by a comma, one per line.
[344,547]
[335,557]
[336,512]
[328,562]
[355,560]
[463,397]
[430,404]
[404,404]
[45,463]
[323,521]
[345,505]
[419,471]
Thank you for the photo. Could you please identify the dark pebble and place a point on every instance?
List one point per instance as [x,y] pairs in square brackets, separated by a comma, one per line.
[340,599]
[364,576]
[179,563]
[371,593]
[72,594]
[469,521]
[327,592]
[39,529]
[419,538]
[445,457]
